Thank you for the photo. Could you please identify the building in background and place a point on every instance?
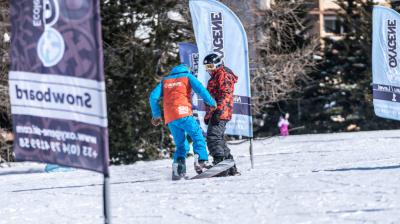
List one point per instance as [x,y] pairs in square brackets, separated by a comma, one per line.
[328,24]
[323,14]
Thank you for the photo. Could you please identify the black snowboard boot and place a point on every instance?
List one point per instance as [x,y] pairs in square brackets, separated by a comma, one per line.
[232,171]
[179,169]
[216,160]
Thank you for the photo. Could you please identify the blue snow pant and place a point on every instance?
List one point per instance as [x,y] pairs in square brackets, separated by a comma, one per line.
[188,125]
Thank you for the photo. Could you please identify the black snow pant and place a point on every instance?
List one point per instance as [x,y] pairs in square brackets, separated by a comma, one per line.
[216,143]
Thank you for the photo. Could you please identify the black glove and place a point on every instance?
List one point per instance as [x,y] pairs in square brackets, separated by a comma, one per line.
[156,121]
[216,117]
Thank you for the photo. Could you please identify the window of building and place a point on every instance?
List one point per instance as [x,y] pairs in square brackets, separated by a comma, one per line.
[264,4]
[333,25]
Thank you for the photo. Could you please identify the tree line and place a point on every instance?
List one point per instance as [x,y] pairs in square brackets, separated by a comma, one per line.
[328,93]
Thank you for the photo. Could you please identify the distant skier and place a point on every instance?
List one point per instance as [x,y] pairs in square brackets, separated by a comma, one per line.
[221,87]
[283,125]
[176,89]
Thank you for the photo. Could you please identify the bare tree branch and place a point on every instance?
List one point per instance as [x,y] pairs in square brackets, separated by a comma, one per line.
[286,56]
[4,60]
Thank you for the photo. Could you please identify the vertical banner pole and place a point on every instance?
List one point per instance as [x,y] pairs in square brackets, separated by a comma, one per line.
[251,153]
[106,199]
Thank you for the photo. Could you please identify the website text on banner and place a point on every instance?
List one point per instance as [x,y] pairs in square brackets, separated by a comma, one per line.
[56,81]
[218,30]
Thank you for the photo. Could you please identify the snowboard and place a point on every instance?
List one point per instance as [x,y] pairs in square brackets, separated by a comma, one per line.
[215,170]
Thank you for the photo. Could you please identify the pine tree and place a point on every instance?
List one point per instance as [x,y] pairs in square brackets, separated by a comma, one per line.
[5,116]
[343,99]
[286,51]
[140,45]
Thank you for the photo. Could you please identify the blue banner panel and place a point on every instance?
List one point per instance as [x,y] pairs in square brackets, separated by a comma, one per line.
[189,55]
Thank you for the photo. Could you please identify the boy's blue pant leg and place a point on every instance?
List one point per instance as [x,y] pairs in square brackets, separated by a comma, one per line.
[180,140]
[195,132]
[190,126]
[187,145]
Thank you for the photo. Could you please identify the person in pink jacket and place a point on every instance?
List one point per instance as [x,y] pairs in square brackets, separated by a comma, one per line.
[283,125]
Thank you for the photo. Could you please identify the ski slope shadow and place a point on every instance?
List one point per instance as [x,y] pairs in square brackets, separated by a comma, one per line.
[16,172]
[359,210]
[87,185]
[360,169]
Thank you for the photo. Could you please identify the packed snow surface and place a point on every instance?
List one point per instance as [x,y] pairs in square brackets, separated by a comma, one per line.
[324,178]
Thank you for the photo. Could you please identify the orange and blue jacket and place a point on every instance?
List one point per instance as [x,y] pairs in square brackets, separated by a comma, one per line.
[176,90]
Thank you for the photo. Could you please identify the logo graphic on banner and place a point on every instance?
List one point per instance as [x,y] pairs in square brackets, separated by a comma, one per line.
[216,25]
[57,95]
[194,62]
[385,67]
[218,30]
[51,45]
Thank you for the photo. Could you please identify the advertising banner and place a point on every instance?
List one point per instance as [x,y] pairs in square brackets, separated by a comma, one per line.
[385,63]
[189,55]
[56,83]
[218,30]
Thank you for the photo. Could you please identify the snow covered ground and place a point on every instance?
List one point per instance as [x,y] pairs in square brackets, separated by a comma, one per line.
[332,178]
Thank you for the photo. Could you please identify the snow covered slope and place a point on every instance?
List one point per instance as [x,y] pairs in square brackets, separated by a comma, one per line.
[332,178]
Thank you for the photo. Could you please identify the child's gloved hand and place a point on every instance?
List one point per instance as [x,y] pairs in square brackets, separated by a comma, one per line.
[216,116]
[206,121]
[156,121]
